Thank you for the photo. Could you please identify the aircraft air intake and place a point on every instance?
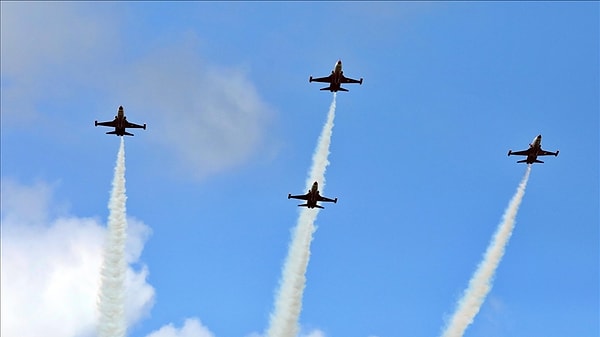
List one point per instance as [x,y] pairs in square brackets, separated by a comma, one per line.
[481,281]
[288,300]
[111,299]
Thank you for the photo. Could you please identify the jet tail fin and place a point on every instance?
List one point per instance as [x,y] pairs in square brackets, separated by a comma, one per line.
[342,89]
[539,161]
[522,161]
[326,88]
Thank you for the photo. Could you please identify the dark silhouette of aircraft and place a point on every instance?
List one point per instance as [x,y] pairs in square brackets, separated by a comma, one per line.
[534,150]
[336,79]
[312,197]
[120,123]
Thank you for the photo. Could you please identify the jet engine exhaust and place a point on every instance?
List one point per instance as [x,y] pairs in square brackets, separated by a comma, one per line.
[288,301]
[114,267]
[481,281]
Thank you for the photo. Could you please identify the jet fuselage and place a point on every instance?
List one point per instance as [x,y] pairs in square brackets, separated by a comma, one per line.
[313,195]
[120,119]
[537,142]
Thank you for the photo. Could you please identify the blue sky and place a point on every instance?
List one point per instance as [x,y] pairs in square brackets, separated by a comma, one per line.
[418,161]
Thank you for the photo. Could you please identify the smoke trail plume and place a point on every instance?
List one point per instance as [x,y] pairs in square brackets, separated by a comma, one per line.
[288,303]
[481,282]
[114,267]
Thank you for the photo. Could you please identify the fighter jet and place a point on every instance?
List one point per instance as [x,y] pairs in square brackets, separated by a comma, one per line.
[312,197]
[336,79]
[534,150]
[120,123]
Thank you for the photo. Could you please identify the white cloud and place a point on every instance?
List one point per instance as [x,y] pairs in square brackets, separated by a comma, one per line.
[192,327]
[50,50]
[314,333]
[211,117]
[51,267]
[29,205]
[207,116]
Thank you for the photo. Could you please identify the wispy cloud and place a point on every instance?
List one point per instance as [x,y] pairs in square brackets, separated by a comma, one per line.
[203,117]
[50,50]
[210,116]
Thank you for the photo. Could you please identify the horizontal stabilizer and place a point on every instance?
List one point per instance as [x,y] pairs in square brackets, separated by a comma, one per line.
[522,161]
[306,205]
[539,161]
[125,133]
[326,88]
[342,89]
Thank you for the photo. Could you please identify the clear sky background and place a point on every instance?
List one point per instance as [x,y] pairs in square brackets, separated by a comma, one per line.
[418,161]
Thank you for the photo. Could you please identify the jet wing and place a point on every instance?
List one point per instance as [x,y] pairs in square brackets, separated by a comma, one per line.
[327,79]
[112,123]
[324,199]
[520,153]
[349,80]
[133,125]
[547,153]
[301,197]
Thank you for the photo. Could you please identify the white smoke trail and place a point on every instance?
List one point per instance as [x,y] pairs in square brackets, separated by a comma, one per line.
[481,282]
[114,267]
[288,303]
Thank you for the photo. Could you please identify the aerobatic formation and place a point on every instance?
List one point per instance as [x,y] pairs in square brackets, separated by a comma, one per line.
[288,302]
